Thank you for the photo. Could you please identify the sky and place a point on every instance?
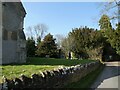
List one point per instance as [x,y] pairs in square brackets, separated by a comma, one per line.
[61,17]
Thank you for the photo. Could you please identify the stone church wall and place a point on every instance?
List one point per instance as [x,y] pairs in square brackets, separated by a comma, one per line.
[13,15]
[9,52]
[10,23]
[0,32]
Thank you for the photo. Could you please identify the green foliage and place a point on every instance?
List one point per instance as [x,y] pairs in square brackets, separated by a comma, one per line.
[115,39]
[94,44]
[30,47]
[54,62]
[47,47]
[80,40]
[112,36]
[104,23]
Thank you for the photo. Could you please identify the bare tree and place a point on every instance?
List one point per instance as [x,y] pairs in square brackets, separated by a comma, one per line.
[40,30]
[37,32]
[59,39]
[29,32]
[111,8]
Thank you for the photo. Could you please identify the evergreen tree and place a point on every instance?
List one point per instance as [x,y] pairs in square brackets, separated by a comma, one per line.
[112,36]
[104,23]
[115,41]
[30,47]
[47,47]
[80,40]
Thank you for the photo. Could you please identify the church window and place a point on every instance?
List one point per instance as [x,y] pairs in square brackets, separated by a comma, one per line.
[5,34]
[14,35]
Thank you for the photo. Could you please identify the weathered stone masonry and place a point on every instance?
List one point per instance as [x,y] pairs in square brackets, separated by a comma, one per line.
[12,37]
[52,79]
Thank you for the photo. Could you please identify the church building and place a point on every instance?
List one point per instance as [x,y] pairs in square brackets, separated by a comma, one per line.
[12,37]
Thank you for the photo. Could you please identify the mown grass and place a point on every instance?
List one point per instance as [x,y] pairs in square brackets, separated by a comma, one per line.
[86,82]
[54,62]
[36,65]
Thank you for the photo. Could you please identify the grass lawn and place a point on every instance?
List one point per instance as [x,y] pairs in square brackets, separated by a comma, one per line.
[36,65]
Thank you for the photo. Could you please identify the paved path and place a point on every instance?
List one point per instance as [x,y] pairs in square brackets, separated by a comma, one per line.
[109,78]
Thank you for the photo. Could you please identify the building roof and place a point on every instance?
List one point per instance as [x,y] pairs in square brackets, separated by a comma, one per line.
[20,8]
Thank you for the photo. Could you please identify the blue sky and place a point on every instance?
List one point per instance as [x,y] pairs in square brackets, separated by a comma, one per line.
[61,17]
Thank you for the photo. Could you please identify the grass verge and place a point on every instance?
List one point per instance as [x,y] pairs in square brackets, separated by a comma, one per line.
[86,81]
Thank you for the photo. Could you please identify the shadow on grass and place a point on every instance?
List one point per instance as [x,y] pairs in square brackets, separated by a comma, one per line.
[52,61]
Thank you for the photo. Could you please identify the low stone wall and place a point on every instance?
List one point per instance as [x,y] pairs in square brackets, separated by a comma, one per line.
[52,79]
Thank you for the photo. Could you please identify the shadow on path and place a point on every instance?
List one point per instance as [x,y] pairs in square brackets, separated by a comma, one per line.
[107,73]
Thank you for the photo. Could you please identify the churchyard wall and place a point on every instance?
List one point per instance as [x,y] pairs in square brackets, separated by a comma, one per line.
[57,78]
